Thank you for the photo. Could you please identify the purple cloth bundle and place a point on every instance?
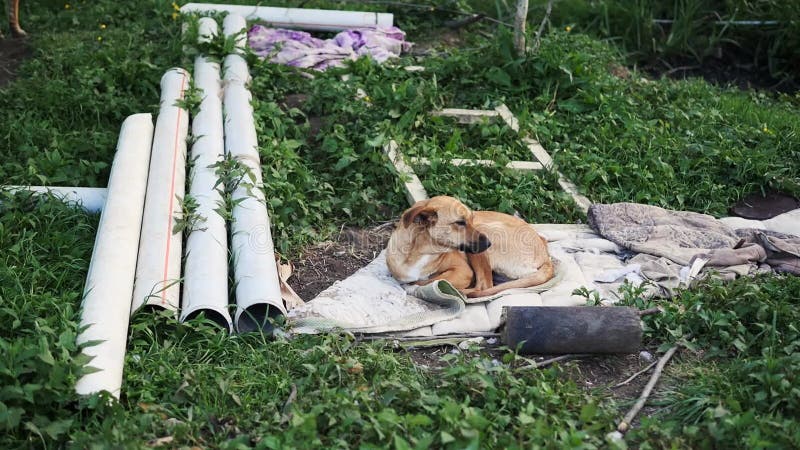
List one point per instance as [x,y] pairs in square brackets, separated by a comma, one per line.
[300,49]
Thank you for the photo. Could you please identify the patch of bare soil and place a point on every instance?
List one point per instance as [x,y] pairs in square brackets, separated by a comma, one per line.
[602,374]
[438,39]
[12,53]
[327,262]
[730,69]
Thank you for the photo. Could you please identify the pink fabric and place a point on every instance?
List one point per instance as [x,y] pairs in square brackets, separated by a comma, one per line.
[300,49]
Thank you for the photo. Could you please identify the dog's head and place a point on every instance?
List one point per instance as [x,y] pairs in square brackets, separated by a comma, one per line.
[448,222]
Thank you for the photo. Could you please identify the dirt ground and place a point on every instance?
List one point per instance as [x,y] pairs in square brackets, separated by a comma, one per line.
[12,53]
[326,262]
[728,69]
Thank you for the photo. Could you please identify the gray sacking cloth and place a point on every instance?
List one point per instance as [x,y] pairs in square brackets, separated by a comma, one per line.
[674,246]
[782,250]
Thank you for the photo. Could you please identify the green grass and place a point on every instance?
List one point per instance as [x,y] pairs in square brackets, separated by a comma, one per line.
[742,388]
[685,145]
[536,197]
[693,36]
[444,138]
[60,119]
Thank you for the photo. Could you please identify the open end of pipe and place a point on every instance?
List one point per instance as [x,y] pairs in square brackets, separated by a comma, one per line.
[257,317]
[152,309]
[209,314]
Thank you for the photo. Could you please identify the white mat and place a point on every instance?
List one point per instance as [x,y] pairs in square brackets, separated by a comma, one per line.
[786,223]
[372,301]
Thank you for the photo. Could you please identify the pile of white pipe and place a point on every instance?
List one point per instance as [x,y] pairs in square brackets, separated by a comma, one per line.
[136,260]
[301,18]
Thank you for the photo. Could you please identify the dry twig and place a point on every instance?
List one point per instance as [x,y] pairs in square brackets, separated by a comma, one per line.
[649,311]
[547,362]
[445,337]
[625,424]
[633,377]
[287,415]
[469,20]
[546,17]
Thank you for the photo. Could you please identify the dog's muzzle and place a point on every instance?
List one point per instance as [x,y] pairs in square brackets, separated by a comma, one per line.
[476,247]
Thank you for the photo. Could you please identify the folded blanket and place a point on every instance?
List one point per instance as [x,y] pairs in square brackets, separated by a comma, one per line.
[685,237]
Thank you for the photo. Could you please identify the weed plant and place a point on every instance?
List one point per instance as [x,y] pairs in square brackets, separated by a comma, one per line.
[684,145]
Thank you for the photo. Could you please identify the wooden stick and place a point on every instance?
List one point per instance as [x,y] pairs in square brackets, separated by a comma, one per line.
[632,377]
[547,362]
[626,421]
[444,337]
[287,415]
[541,26]
[455,24]
[649,311]
[385,225]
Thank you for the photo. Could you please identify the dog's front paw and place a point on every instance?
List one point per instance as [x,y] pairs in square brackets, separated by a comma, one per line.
[482,285]
[411,289]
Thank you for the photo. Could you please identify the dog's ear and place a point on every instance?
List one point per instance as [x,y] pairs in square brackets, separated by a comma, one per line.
[421,214]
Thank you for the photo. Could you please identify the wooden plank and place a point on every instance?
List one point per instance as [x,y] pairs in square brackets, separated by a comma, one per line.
[458,162]
[582,201]
[538,152]
[415,191]
[524,165]
[467,116]
[543,157]
[508,117]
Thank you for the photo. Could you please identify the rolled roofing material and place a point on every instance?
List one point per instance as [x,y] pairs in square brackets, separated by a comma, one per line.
[205,286]
[158,270]
[258,295]
[301,18]
[109,282]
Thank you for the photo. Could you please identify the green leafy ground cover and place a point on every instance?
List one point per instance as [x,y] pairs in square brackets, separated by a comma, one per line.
[685,145]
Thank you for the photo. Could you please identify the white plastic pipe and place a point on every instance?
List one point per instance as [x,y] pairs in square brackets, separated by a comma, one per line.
[258,293]
[306,19]
[89,199]
[205,285]
[109,283]
[158,270]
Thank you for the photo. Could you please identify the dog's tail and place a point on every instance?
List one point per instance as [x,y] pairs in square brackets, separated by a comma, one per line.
[544,274]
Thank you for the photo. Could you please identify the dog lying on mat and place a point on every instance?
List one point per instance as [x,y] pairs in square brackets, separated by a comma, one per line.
[442,239]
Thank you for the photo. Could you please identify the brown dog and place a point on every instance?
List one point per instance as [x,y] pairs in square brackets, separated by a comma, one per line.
[13,19]
[442,239]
